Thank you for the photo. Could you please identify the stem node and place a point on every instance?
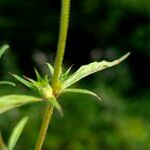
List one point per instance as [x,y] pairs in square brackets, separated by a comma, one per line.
[64,20]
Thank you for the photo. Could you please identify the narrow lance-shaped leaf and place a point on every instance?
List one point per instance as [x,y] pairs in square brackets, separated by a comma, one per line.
[65,75]
[3,49]
[7,82]
[37,75]
[53,101]
[23,81]
[16,133]
[50,67]
[2,144]
[11,101]
[81,91]
[91,68]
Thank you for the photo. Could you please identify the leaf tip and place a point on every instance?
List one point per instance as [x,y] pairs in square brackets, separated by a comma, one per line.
[125,56]
[6,46]
[99,98]
[26,119]
[60,110]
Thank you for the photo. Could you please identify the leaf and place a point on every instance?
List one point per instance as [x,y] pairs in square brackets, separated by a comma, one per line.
[65,75]
[16,133]
[3,49]
[50,67]
[30,80]
[7,82]
[23,81]
[82,91]
[11,101]
[91,68]
[53,101]
[2,144]
[37,75]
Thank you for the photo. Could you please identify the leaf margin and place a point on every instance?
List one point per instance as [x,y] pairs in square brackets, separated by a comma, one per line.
[82,91]
[89,69]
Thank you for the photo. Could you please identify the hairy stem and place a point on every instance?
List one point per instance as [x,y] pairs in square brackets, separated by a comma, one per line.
[46,119]
[64,20]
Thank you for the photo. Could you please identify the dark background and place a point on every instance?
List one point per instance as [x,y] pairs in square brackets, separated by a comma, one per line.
[98,30]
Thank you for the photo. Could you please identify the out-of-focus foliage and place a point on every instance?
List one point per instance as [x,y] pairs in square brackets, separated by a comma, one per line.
[16,132]
[98,30]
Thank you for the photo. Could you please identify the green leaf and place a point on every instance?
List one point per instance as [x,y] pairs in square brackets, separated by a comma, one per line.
[53,101]
[65,75]
[16,133]
[82,91]
[50,67]
[24,82]
[37,75]
[11,101]
[3,49]
[91,68]
[2,144]
[7,82]
[30,80]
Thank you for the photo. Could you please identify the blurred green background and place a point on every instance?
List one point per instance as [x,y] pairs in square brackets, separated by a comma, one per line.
[99,29]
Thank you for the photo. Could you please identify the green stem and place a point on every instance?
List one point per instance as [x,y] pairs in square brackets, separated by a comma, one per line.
[64,20]
[46,120]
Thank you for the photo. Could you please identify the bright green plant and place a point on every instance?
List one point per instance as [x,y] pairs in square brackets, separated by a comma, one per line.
[14,135]
[49,89]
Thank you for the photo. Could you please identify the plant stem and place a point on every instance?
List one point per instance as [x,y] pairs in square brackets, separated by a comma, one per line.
[64,20]
[46,119]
